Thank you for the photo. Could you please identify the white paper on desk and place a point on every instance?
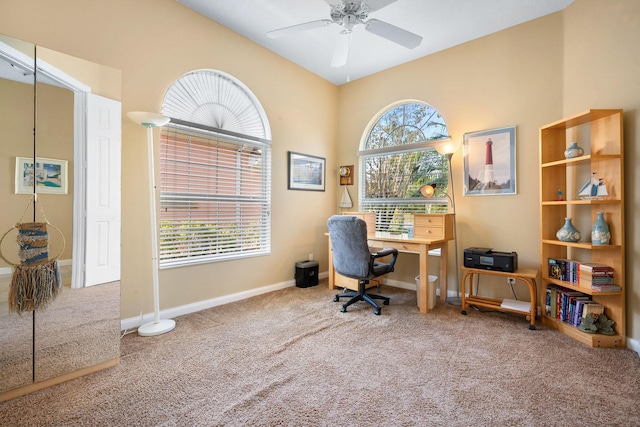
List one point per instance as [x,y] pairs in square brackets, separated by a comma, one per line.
[512,304]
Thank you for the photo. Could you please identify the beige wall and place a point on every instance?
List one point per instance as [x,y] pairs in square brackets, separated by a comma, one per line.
[154,42]
[526,76]
[511,78]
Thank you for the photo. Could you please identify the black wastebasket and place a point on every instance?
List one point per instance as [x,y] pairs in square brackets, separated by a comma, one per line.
[306,273]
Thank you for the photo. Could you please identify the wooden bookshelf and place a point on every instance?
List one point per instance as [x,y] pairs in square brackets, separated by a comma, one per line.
[600,134]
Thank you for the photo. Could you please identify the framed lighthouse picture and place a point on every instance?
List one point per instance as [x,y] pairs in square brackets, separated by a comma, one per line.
[490,162]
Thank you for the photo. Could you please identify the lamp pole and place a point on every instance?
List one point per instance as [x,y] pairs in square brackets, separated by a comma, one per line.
[454,300]
[448,148]
[158,326]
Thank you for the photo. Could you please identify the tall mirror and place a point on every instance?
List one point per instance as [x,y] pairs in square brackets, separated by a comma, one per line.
[17,59]
[76,148]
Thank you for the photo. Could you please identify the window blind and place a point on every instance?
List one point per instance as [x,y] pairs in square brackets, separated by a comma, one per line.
[390,186]
[215,200]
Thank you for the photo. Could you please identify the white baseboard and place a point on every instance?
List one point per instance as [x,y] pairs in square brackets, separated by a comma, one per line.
[134,322]
[413,287]
[9,270]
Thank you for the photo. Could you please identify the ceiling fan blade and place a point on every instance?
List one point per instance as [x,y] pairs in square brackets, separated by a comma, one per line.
[374,5]
[341,50]
[281,32]
[393,33]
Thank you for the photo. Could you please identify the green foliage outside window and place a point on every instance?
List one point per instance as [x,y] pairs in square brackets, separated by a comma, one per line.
[398,159]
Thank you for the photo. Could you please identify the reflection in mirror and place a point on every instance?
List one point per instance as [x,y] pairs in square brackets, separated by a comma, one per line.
[78,118]
[16,139]
[81,327]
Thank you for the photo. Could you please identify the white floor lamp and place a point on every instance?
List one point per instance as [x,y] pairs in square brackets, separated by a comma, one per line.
[157,327]
[448,148]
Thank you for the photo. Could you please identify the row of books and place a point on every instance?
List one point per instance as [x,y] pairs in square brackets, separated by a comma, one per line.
[570,306]
[598,277]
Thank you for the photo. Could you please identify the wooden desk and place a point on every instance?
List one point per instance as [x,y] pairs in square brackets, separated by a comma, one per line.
[525,275]
[415,245]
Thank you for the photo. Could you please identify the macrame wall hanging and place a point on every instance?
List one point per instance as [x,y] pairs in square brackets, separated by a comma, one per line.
[36,280]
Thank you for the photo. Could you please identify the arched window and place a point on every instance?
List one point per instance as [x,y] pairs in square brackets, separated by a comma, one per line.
[215,172]
[397,158]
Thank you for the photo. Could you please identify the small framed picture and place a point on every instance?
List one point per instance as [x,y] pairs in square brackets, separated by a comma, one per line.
[306,172]
[490,162]
[49,175]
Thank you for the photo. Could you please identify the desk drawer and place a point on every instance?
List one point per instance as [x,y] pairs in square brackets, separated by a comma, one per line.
[420,220]
[429,232]
[401,246]
[433,226]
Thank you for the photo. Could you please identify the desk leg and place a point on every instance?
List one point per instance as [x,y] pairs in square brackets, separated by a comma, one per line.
[332,273]
[444,271]
[424,279]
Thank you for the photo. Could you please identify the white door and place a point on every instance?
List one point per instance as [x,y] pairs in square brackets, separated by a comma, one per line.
[104,148]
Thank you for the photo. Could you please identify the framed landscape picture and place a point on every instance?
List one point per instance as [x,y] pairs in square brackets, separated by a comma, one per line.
[306,172]
[49,175]
[490,162]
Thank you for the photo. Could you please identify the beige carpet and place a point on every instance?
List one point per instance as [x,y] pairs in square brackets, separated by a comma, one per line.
[80,328]
[291,358]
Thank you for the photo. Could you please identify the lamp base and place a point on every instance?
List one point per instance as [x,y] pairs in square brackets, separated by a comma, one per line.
[152,328]
[457,301]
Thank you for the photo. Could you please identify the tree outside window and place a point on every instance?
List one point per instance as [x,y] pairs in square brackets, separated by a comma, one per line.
[397,159]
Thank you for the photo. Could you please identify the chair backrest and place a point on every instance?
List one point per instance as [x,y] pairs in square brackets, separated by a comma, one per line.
[351,254]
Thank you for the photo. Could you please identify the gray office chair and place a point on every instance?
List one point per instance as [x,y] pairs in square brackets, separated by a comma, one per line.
[353,258]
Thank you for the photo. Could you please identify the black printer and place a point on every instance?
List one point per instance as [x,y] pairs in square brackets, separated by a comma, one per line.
[488,259]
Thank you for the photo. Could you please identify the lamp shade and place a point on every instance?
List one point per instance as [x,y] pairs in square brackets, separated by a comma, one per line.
[149,120]
[449,146]
[427,191]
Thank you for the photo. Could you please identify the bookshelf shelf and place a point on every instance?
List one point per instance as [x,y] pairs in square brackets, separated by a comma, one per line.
[593,340]
[600,134]
[581,244]
[575,287]
[581,202]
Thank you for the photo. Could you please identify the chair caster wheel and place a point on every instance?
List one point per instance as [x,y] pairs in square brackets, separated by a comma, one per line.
[343,310]
[532,327]
[377,312]
[464,312]
[386,302]
[336,299]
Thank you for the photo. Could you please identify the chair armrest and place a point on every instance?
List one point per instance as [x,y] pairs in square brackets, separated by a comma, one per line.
[384,252]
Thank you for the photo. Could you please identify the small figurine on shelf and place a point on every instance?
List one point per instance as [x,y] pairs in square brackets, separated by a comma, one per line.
[594,188]
[605,325]
[560,198]
[588,324]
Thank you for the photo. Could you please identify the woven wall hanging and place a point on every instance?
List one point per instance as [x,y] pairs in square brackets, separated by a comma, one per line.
[36,279]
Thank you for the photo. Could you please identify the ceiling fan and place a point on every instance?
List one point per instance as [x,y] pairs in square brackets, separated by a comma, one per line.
[349,13]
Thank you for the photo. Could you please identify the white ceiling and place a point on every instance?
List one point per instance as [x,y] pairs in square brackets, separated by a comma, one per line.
[441,23]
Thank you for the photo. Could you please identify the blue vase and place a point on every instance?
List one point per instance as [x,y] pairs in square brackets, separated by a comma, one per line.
[568,233]
[600,234]
[574,150]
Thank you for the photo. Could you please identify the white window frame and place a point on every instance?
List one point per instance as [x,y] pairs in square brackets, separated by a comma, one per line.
[411,202]
[215,173]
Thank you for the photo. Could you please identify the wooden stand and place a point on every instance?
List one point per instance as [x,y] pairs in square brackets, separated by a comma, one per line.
[527,276]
